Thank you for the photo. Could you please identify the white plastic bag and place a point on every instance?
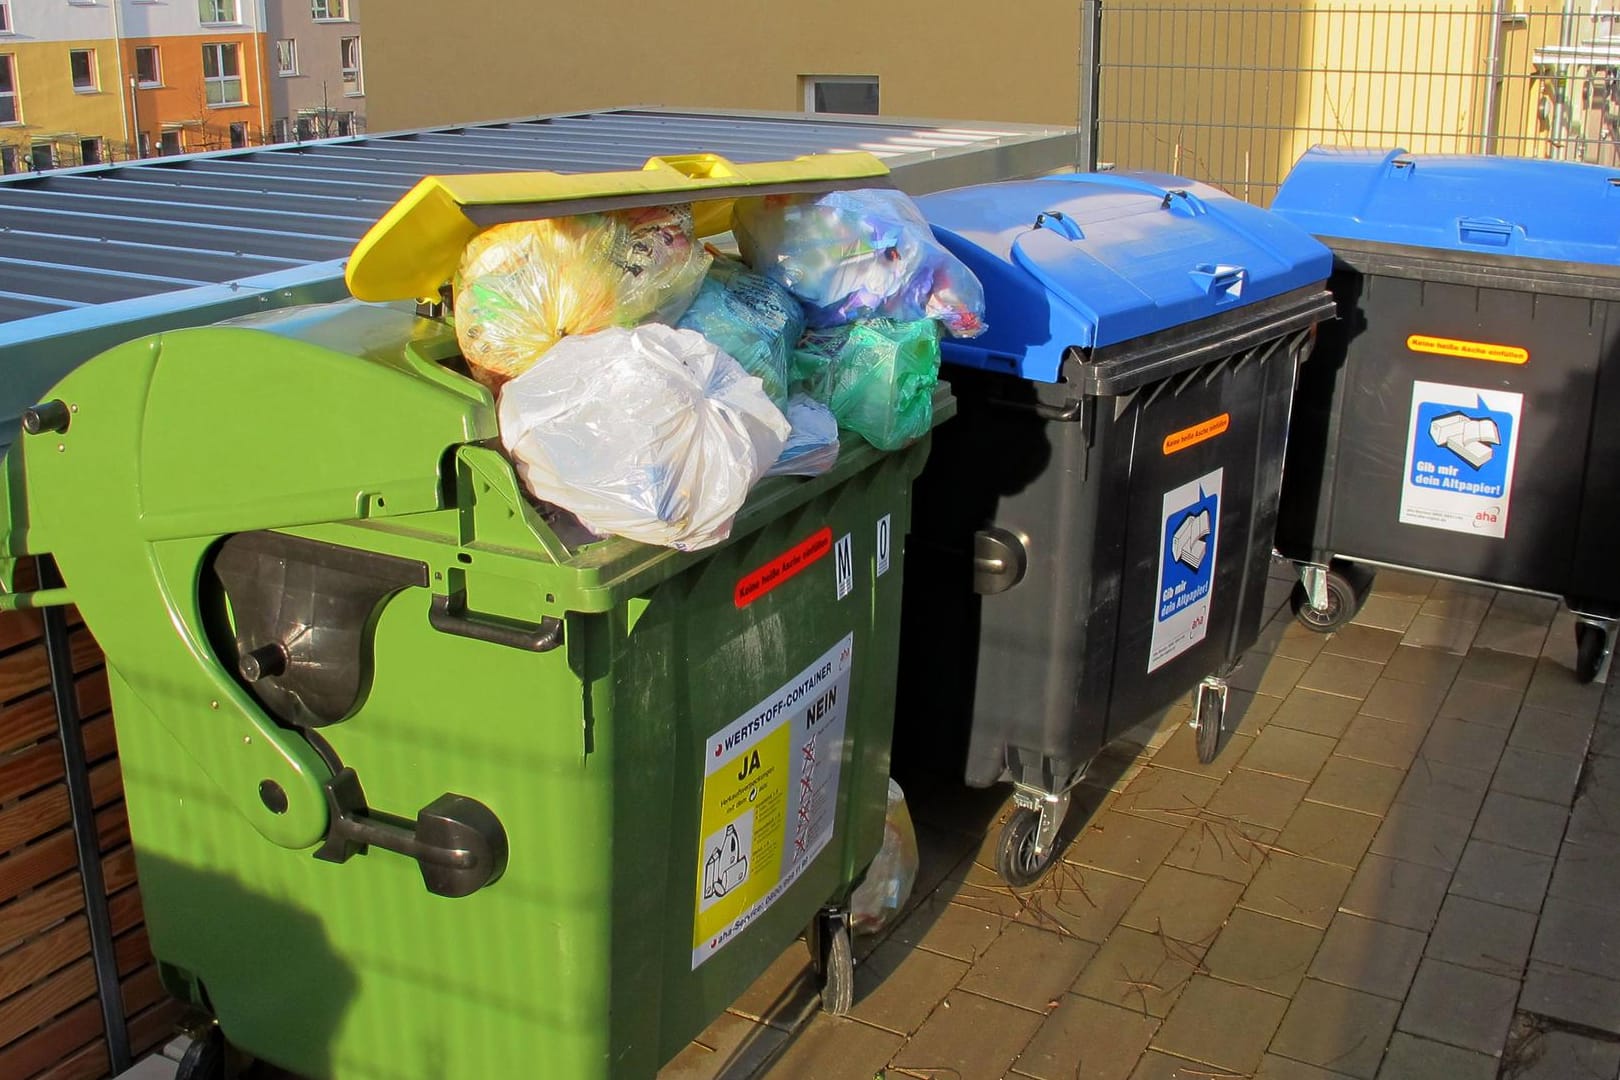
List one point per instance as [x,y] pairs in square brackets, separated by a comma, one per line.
[887,885]
[650,433]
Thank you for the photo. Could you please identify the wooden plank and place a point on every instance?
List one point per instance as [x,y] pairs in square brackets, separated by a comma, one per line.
[42,1049]
[41,764]
[124,909]
[19,628]
[143,989]
[49,904]
[28,819]
[40,1004]
[133,950]
[154,1027]
[32,718]
[51,951]
[94,697]
[26,670]
[86,1063]
[58,854]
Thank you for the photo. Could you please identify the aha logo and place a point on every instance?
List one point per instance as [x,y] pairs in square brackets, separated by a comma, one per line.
[1487,517]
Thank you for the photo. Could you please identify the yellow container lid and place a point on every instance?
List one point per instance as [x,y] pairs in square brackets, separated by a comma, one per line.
[416,246]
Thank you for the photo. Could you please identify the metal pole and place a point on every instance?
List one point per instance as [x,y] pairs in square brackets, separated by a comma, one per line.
[1493,78]
[1090,83]
[82,808]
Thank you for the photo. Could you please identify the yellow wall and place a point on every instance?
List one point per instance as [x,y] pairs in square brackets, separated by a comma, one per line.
[48,102]
[427,62]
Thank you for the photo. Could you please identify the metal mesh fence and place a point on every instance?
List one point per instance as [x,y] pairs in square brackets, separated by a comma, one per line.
[1233,94]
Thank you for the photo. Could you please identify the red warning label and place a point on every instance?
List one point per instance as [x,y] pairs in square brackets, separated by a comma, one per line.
[759,582]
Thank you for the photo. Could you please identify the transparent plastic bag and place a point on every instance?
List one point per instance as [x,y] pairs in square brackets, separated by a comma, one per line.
[753,319]
[523,286]
[877,376]
[864,254]
[887,886]
[812,447]
[650,433]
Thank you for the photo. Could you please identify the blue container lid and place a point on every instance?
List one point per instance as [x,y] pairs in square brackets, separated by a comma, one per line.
[1086,260]
[1560,210]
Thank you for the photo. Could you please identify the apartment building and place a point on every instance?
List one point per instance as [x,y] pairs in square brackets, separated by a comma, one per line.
[317,79]
[87,81]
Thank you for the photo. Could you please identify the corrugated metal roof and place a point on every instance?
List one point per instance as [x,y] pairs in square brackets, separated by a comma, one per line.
[94,256]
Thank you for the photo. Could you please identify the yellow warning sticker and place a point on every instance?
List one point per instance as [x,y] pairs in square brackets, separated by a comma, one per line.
[1467,350]
[770,798]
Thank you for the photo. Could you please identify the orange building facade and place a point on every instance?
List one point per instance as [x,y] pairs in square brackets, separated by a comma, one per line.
[197,92]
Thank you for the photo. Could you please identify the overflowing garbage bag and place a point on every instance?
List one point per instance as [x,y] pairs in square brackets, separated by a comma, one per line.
[522,287]
[753,319]
[887,886]
[651,433]
[877,376]
[864,254]
[812,445]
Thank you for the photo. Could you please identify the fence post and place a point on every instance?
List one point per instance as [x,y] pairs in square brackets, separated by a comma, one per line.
[1090,83]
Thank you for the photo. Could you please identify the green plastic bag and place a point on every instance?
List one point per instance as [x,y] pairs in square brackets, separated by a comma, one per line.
[877,376]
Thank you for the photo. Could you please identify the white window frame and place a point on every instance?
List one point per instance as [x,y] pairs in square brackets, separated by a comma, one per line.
[95,72]
[222,78]
[322,10]
[6,25]
[233,17]
[10,61]
[358,68]
[810,82]
[290,69]
[157,66]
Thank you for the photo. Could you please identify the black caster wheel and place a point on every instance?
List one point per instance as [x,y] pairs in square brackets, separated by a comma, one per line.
[1344,601]
[835,963]
[1208,718]
[1591,650]
[204,1057]
[1016,859]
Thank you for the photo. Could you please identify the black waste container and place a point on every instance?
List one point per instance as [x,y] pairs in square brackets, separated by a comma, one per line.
[1093,535]
[1453,420]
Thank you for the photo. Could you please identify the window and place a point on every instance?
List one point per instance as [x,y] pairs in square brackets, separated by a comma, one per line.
[144,141]
[170,143]
[222,75]
[345,123]
[217,11]
[9,112]
[329,10]
[278,131]
[5,28]
[238,135]
[841,94]
[349,51]
[82,63]
[90,151]
[10,160]
[286,57]
[148,71]
[42,156]
[306,128]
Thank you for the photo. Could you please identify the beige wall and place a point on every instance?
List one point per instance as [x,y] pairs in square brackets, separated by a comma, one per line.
[428,62]
[319,82]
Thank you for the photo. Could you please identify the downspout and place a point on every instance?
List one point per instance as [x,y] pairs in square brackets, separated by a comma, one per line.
[1493,78]
[118,51]
[264,71]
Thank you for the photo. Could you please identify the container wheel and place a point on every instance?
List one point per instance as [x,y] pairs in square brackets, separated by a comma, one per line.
[204,1055]
[1016,859]
[1343,602]
[837,967]
[1209,717]
[1591,650]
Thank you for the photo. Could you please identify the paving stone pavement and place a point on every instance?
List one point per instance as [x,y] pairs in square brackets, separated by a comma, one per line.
[1401,865]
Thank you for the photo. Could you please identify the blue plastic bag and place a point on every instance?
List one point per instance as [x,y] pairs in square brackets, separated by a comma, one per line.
[752,319]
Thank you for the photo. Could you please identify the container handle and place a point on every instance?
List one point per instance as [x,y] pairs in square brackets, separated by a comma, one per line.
[1058,222]
[449,615]
[1484,232]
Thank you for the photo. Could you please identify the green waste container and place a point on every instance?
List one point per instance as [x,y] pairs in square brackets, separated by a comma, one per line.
[420,784]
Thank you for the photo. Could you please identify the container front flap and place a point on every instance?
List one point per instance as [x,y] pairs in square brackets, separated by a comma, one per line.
[415,247]
[1094,259]
[1561,210]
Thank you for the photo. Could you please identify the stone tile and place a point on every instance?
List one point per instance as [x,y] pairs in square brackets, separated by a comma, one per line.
[784,994]
[1123,844]
[1409,703]
[1382,742]
[1079,901]
[949,929]
[1166,795]
[1142,972]
[897,987]
[1497,668]
[1534,775]
[1554,687]
[1027,967]
[1459,742]
[1356,785]
[1274,1067]
[1181,752]
[835,1046]
[1552,732]
[1223,849]
[1247,713]
[976,886]
[1502,875]
[1567,1055]
[1574,997]
[1336,1028]
[1451,789]
[1298,889]
[1285,752]
[1295,641]
[1460,1006]
[732,1046]
[1365,954]
[979,1038]
[1475,934]
[1317,713]
[1526,824]
[1156,1065]
[1404,893]
[1221,1024]
[1605,737]
[1458,600]
[1560,647]
[1578,936]
[1588,875]
[1422,836]
[1448,635]
[1182,905]
[1340,675]
[1481,703]
[1084,1039]
[1266,800]
[1427,667]
[1536,609]
[1412,1058]
[1387,613]
[1151,733]
[1403,585]
[1263,951]
[1329,833]
[1273,675]
[1512,636]
[1594,821]
[1363,643]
